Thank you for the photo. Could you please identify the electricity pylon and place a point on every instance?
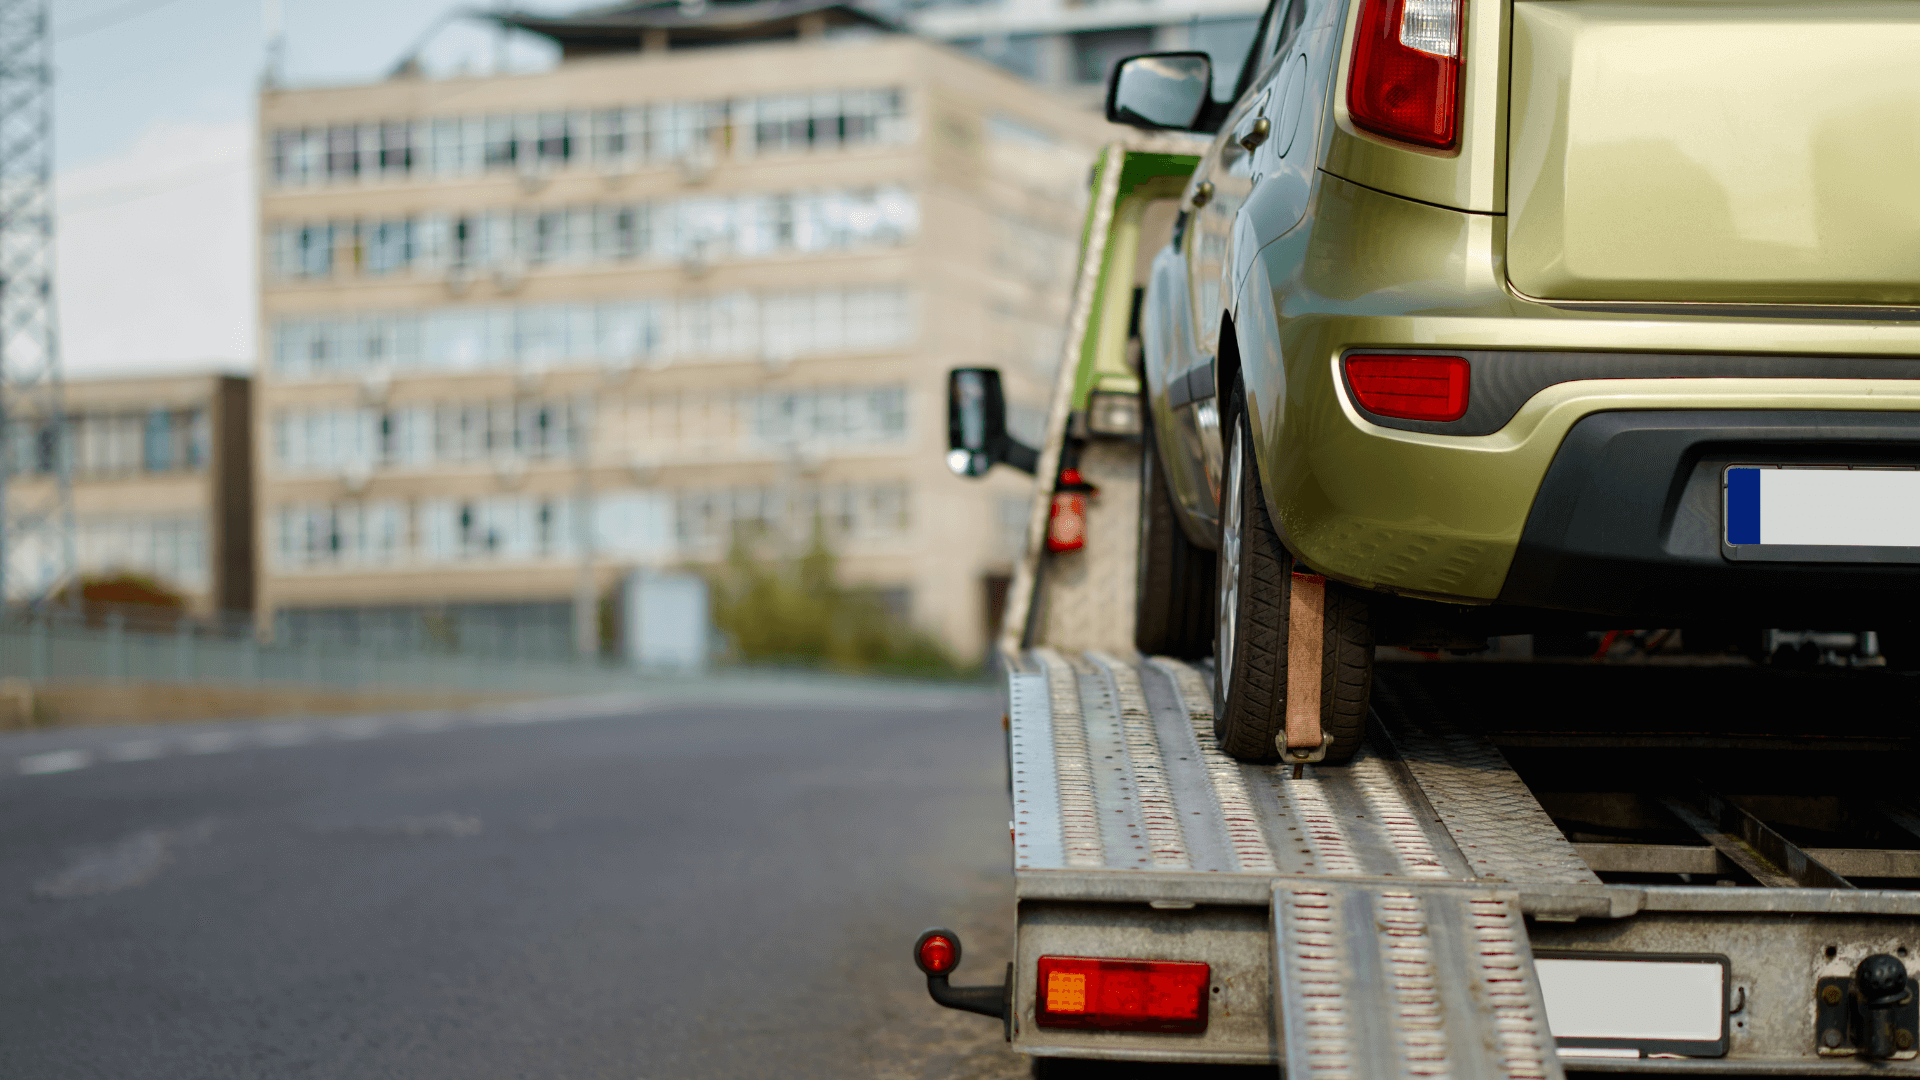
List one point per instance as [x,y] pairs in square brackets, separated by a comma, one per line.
[37,554]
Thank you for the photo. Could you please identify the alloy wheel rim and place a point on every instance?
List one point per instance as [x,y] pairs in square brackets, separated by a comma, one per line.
[1229,575]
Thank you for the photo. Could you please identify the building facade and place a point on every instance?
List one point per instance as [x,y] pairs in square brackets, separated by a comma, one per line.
[525,334]
[162,482]
[1070,46]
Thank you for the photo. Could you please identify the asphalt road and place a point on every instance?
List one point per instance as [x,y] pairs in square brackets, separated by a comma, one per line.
[605,889]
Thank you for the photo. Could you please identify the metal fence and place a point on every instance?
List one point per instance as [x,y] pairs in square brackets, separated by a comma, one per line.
[112,644]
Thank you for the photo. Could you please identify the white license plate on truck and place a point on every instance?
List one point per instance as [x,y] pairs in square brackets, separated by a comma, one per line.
[1839,514]
[1629,1004]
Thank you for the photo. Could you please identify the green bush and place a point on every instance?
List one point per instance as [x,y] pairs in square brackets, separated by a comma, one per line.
[783,609]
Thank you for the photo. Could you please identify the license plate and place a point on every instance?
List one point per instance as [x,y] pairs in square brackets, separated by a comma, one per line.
[1630,1004]
[1843,514]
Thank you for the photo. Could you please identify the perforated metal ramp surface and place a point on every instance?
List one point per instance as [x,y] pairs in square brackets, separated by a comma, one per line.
[1116,775]
[1425,981]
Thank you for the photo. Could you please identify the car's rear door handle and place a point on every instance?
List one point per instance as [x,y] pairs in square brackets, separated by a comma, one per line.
[1191,385]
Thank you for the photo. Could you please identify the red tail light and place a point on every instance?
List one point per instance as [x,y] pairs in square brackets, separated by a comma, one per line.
[1067,521]
[1405,83]
[1410,387]
[1122,995]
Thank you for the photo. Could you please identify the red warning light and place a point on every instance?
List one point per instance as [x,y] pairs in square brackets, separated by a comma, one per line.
[937,954]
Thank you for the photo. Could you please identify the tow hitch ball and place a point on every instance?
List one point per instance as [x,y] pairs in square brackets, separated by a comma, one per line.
[1873,1014]
[937,954]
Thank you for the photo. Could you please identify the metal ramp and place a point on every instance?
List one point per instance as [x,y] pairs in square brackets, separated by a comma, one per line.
[1115,769]
[1426,837]
[1442,986]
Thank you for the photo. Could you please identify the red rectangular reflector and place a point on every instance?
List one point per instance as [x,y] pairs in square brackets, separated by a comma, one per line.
[1410,387]
[1122,995]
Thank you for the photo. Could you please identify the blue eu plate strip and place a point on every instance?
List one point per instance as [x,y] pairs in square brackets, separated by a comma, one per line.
[1743,506]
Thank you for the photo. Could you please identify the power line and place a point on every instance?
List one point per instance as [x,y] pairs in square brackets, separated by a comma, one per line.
[111,17]
[102,198]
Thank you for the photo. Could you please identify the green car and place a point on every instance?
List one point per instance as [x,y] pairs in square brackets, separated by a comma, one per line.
[1505,316]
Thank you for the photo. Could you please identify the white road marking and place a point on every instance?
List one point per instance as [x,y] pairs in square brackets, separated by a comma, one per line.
[211,742]
[54,761]
[136,750]
[130,863]
[359,727]
[287,733]
[284,734]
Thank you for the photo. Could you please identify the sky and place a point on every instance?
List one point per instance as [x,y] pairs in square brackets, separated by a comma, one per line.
[153,155]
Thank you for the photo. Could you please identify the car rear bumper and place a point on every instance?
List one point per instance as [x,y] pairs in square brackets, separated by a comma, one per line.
[1599,495]
[1628,520]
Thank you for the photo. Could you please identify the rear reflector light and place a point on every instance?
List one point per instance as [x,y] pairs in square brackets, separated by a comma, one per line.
[1410,387]
[1067,519]
[937,953]
[1122,995]
[1405,83]
[1067,525]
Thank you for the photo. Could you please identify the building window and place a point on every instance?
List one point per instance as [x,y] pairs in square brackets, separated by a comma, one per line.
[555,140]
[324,534]
[1095,52]
[871,513]
[734,325]
[1018,53]
[170,547]
[386,246]
[661,133]
[502,145]
[343,154]
[396,149]
[830,416]
[702,228]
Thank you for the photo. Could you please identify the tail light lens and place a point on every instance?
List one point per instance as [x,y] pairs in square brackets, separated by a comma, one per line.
[1122,995]
[1410,387]
[1067,520]
[1405,83]
[1067,524]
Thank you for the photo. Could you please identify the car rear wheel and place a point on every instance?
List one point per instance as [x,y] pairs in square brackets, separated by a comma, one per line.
[1255,579]
[1173,583]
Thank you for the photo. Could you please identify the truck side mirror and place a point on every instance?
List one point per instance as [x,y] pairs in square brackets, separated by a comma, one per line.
[977,436]
[1161,90]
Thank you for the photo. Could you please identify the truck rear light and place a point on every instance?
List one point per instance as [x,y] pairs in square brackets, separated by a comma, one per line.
[1405,82]
[1122,995]
[1410,387]
[1067,519]
[937,952]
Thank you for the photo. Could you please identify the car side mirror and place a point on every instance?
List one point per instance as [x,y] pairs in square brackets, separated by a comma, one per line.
[977,438]
[1161,90]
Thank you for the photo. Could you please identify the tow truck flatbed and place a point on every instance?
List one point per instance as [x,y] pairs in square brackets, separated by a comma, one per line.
[1130,826]
[1527,867]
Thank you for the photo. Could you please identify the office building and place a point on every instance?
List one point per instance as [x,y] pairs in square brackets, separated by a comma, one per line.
[524,334]
[1070,46]
[162,482]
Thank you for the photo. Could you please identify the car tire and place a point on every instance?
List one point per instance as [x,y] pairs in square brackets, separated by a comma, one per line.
[1255,584]
[1173,580]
